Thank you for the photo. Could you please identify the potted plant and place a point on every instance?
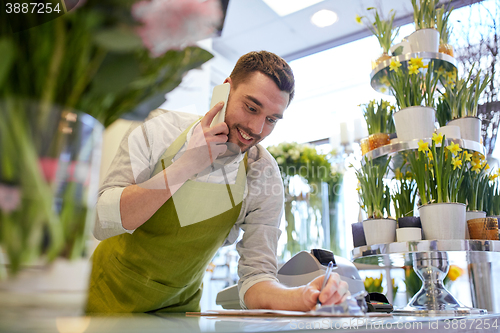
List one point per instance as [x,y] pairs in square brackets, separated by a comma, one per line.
[382,29]
[426,36]
[378,116]
[442,17]
[439,174]
[493,196]
[443,116]
[413,85]
[61,83]
[403,196]
[375,200]
[475,185]
[462,96]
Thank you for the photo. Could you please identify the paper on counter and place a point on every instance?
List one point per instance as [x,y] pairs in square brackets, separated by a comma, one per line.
[280,313]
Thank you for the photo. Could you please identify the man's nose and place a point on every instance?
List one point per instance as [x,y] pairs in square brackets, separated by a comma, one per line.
[256,125]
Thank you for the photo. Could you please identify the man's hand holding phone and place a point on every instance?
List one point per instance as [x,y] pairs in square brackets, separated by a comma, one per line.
[206,143]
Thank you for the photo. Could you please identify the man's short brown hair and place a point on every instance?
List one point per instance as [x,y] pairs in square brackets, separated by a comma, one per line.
[269,64]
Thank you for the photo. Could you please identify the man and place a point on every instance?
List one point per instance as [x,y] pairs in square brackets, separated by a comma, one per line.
[159,210]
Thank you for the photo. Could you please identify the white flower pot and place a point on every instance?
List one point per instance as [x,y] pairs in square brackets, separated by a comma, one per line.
[470,127]
[424,40]
[379,231]
[443,220]
[414,123]
[450,132]
[408,234]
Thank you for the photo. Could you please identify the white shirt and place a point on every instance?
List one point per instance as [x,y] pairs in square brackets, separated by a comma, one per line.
[263,200]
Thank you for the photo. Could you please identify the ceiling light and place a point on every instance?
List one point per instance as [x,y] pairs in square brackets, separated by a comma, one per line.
[285,7]
[324,18]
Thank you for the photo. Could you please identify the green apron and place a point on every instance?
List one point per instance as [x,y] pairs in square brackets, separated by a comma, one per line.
[160,267]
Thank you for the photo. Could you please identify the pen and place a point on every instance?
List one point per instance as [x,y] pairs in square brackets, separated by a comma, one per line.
[329,270]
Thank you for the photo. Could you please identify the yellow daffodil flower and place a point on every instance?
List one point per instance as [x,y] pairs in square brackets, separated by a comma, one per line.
[437,138]
[467,156]
[385,81]
[454,272]
[430,156]
[409,175]
[358,19]
[358,189]
[476,167]
[423,146]
[493,176]
[457,162]
[486,165]
[441,71]
[398,174]
[454,148]
[413,69]
[394,66]
[383,90]
[417,62]
[475,161]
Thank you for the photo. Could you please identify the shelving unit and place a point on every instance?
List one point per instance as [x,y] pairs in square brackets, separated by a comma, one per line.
[430,258]
[438,59]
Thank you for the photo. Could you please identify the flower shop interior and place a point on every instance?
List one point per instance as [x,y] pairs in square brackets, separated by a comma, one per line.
[359,179]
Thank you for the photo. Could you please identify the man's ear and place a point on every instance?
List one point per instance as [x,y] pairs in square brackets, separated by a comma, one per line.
[228,80]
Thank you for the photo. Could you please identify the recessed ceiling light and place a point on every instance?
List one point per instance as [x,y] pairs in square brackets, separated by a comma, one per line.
[324,18]
[285,7]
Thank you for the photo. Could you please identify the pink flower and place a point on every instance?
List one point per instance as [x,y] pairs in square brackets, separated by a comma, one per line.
[174,24]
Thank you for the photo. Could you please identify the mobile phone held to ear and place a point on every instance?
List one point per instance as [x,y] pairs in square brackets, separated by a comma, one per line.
[220,94]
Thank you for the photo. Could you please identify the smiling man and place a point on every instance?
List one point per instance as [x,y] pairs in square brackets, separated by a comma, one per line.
[179,189]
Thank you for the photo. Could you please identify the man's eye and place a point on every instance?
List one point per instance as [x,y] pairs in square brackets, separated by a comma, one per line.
[250,108]
[272,121]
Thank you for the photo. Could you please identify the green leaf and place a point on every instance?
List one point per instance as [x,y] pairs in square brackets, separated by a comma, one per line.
[118,40]
[7,50]
[115,74]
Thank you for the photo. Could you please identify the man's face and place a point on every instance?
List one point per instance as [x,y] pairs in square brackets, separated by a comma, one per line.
[253,109]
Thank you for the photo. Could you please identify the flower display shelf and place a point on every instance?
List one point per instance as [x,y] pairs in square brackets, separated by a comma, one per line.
[400,146]
[431,259]
[381,70]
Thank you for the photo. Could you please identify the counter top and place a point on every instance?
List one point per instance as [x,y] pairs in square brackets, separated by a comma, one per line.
[179,323]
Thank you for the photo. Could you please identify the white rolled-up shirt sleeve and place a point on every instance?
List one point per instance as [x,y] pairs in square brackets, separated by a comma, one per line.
[263,210]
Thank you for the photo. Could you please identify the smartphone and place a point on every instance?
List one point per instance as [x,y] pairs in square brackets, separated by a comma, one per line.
[220,93]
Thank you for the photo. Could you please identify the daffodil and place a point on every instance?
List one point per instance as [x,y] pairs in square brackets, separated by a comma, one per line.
[385,81]
[398,174]
[431,157]
[394,65]
[493,176]
[454,148]
[358,19]
[423,146]
[413,69]
[437,138]
[476,167]
[457,162]
[417,62]
[454,272]
[441,71]
[486,165]
[467,156]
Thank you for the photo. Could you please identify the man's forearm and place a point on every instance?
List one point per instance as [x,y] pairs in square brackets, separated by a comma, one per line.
[275,296]
[139,202]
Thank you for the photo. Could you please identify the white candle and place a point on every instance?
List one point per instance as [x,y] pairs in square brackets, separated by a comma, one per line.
[360,130]
[344,134]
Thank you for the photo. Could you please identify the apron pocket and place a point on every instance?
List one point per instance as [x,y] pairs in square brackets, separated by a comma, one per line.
[138,293]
